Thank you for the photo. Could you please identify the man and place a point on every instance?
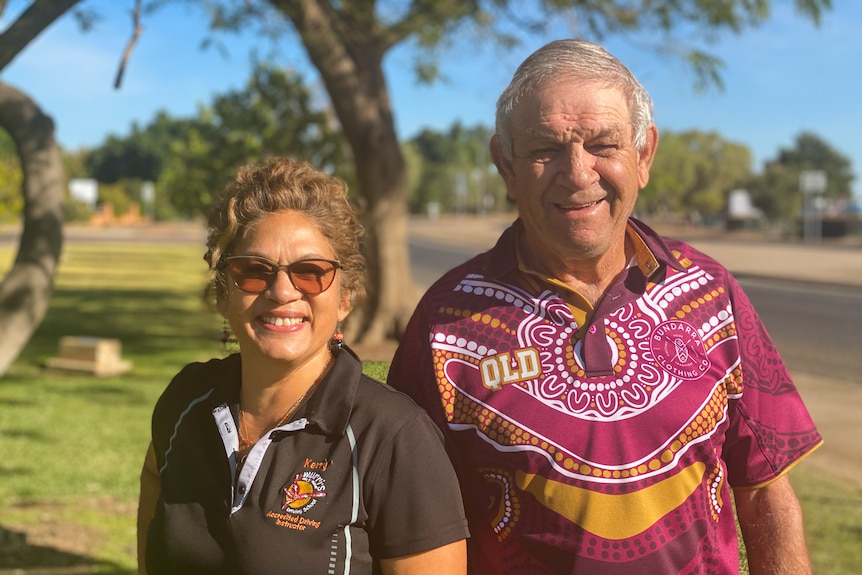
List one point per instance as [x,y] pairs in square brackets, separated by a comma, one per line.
[602,390]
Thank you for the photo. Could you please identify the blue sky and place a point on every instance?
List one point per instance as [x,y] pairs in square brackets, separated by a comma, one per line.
[784,78]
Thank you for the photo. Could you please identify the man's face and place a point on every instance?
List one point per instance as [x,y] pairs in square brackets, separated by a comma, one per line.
[575,174]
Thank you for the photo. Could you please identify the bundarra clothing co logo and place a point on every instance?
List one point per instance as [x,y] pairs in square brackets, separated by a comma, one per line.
[679,350]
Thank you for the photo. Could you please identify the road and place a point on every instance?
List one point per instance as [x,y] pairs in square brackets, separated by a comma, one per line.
[816,327]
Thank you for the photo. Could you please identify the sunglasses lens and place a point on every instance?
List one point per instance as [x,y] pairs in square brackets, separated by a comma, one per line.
[256,275]
[252,275]
[312,276]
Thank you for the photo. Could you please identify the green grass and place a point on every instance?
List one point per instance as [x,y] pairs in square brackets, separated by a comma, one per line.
[833,521]
[72,445]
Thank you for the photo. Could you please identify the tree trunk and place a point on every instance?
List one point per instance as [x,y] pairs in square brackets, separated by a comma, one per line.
[350,63]
[26,290]
[391,294]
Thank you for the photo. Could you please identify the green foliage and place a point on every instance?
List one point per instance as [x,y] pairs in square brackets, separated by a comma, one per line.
[692,173]
[274,115]
[431,24]
[75,166]
[135,156]
[76,211]
[813,153]
[142,155]
[122,164]
[11,180]
[415,164]
[191,160]
[670,175]
[657,24]
[75,163]
[454,170]
[435,181]
[777,190]
[7,145]
[117,196]
[11,193]
[691,176]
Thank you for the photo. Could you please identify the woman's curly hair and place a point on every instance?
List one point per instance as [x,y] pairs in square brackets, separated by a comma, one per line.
[284,184]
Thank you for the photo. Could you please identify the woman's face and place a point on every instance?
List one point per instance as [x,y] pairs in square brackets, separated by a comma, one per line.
[282,324]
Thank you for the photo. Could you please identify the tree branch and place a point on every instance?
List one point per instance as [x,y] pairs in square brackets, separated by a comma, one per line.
[430,17]
[137,29]
[30,24]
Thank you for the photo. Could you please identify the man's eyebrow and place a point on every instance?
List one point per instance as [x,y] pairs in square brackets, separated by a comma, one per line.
[542,134]
[613,131]
[604,132]
[539,133]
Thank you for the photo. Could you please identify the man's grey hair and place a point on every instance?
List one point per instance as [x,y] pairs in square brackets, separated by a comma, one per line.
[576,60]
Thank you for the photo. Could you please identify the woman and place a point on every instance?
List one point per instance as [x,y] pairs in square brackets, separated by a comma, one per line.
[284,458]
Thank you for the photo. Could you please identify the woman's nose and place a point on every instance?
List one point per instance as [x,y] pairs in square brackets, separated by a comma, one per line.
[282,289]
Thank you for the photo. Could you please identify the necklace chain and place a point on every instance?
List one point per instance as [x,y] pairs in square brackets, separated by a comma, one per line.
[244,441]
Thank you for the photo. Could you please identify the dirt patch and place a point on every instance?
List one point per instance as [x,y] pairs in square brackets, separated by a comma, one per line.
[47,547]
[52,546]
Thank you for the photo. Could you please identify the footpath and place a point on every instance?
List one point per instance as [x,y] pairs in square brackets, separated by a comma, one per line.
[835,405]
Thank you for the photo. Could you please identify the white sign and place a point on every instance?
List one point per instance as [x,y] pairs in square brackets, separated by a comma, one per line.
[148,192]
[84,190]
[739,205]
[812,181]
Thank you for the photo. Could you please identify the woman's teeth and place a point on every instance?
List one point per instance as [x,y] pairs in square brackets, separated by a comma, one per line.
[280,321]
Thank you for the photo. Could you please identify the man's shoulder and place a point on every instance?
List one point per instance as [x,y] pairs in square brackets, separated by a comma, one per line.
[683,247]
[675,251]
[687,255]
[490,264]
[476,265]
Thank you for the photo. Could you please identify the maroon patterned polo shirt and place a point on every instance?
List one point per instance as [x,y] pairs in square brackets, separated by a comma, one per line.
[604,442]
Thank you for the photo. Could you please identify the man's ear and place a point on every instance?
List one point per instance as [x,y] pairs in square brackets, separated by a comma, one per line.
[646,155]
[504,164]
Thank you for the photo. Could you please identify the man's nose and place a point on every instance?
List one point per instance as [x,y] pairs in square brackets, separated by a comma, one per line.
[578,167]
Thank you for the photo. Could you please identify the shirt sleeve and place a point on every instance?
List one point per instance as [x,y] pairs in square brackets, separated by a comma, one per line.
[770,427]
[412,495]
[412,368]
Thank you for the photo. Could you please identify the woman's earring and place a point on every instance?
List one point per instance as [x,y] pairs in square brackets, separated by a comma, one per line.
[337,341]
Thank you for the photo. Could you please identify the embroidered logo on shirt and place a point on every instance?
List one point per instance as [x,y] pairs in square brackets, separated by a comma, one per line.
[303,493]
[505,368]
[300,496]
[678,350]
